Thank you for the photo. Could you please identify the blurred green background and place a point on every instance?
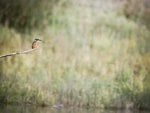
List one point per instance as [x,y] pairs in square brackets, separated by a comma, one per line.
[95,53]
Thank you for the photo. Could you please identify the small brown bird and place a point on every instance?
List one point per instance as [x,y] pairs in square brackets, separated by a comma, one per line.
[36,43]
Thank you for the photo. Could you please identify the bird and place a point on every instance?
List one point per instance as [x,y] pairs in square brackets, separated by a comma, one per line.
[36,43]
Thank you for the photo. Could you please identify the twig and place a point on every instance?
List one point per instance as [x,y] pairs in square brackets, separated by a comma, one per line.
[17,53]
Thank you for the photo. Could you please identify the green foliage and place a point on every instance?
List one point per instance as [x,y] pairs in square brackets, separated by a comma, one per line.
[138,10]
[99,62]
[25,15]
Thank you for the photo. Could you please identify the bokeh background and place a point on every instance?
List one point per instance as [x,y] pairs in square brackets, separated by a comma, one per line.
[95,53]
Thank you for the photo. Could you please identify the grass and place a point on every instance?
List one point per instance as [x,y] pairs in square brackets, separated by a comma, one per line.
[100,61]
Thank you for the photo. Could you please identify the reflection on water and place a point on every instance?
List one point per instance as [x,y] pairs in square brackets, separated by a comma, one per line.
[29,109]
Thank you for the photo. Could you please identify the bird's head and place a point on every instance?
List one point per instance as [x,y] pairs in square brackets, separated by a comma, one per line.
[37,39]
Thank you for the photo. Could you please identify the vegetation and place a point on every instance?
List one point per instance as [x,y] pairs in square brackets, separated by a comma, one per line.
[90,57]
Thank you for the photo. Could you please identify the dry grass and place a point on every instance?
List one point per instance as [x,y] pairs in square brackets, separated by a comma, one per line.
[98,59]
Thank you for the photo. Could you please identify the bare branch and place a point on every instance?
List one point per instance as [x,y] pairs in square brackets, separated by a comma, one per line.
[17,53]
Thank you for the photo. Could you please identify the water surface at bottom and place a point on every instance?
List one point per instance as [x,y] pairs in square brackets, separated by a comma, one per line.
[30,109]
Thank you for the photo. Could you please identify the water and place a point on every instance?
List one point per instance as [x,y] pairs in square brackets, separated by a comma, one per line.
[30,109]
